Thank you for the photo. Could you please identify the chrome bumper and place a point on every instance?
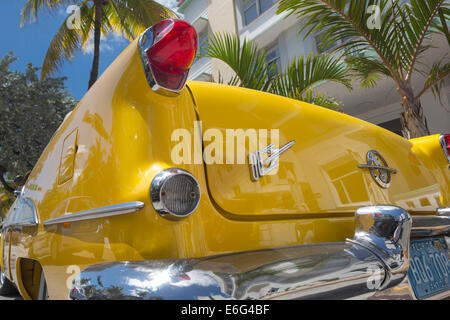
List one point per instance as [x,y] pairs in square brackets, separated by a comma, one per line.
[373,264]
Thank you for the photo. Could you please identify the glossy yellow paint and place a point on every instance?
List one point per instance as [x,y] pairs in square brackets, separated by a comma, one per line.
[430,151]
[124,139]
[319,175]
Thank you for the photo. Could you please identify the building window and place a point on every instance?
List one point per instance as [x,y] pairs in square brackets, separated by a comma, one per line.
[202,43]
[252,9]
[394,126]
[329,48]
[273,57]
[266,4]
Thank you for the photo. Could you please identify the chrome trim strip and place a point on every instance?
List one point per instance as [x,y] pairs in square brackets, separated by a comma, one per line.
[443,211]
[444,147]
[427,226]
[377,258]
[108,211]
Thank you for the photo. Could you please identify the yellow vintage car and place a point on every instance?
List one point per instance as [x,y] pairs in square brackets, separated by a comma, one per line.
[154,188]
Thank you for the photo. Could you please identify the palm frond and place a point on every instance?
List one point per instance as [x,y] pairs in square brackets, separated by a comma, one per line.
[32,7]
[398,41]
[417,24]
[320,99]
[347,21]
[302,74]
[436,76]
[295,81]
[249,64]
[62,47]
[87,25]
[367,70]
[131,18]
[442,26]
[66,41]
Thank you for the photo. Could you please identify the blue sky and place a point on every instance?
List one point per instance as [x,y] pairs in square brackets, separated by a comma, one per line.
[30,44]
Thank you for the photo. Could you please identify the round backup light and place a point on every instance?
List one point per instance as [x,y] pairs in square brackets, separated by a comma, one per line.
[175,193]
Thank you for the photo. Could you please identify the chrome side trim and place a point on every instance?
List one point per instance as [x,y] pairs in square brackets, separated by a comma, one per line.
[443,211]
[444,147]
[377,258]
[385,231]
[427,226]
[108,211]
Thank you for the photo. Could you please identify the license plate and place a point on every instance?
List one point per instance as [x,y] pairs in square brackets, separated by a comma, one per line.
[429,270]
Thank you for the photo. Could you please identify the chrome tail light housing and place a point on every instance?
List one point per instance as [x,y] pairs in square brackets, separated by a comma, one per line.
[175,193]
[167,51]
[445,143]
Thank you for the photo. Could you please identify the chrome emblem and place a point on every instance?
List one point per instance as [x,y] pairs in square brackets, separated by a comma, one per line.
[379,169]
[264,161]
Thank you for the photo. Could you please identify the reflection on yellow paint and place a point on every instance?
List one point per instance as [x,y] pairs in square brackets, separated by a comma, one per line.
[68,153]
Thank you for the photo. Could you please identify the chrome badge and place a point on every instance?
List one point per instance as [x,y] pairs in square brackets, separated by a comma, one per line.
[379,169]
[264,161]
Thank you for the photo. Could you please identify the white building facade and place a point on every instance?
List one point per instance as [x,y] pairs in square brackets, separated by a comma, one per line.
[258,21]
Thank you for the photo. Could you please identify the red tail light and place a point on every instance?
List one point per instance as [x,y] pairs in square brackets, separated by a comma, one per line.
[445,143]
[168,50]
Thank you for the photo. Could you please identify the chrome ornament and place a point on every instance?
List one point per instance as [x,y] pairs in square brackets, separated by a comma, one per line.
[379,169]
[264,161]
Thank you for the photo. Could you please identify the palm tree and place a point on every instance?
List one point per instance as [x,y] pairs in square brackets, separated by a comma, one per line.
[97,17]
[395,47]
[297,80]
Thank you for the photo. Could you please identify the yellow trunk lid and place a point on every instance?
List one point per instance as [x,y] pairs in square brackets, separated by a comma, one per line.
[319,174]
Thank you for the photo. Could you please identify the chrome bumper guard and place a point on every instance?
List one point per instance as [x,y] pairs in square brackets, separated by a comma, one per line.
[372,265]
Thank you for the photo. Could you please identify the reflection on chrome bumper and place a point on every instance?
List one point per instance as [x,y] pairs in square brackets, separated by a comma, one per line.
[428,226]
[443,211]
[373,262]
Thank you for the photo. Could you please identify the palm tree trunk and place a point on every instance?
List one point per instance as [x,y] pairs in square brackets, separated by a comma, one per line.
[97,34]
[414,123]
